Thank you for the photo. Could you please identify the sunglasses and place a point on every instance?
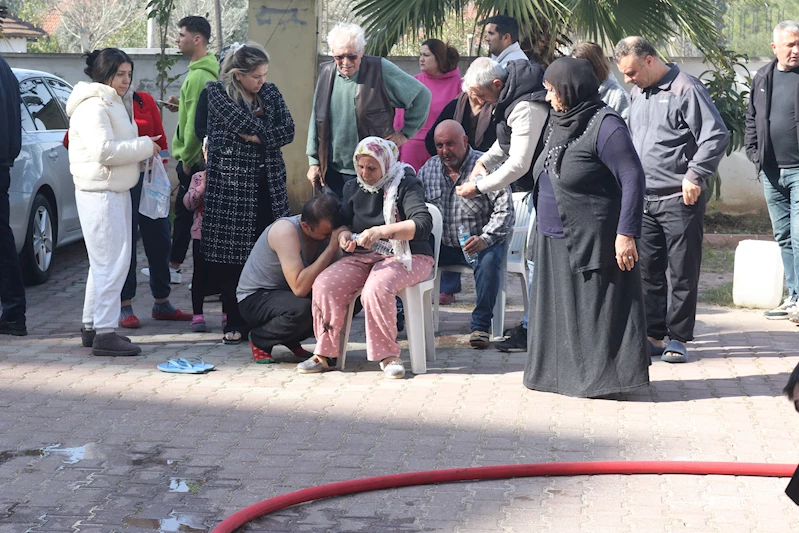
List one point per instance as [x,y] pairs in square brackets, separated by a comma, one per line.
[342,57]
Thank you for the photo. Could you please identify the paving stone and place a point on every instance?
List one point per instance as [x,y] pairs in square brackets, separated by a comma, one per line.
[246,432]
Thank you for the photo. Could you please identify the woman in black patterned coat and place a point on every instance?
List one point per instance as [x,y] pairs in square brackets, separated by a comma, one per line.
[248,122]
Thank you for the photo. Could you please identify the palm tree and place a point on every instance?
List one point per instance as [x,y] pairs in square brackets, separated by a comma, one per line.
[544,24]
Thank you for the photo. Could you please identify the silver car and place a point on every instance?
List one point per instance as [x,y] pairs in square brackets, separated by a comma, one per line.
[42,195]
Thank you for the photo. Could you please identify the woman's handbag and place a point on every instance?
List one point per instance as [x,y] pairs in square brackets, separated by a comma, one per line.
[156,190]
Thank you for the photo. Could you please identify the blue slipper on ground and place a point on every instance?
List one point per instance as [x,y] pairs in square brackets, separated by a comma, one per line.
[197,362]
[192,365]
[675,352]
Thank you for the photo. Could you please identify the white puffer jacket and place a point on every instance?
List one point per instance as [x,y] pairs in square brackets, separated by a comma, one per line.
[104,143]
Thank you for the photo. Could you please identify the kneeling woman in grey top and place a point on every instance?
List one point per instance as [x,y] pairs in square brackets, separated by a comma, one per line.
[386,204]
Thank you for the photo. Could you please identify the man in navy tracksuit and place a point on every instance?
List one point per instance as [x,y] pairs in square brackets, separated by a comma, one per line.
[680,138]
[12,292]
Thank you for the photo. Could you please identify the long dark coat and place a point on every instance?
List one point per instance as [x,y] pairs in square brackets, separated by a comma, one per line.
[234,166]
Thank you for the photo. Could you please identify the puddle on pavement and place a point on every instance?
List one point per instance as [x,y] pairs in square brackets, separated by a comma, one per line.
[185,485]
[177,522]
[73,455]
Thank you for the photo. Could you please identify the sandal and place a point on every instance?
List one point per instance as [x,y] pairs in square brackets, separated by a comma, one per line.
[232,337]
[675,352]
[479,339]
[316,364]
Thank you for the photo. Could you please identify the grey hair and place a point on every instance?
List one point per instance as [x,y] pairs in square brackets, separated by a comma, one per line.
[347,33]
[243,60]
[635,46]
[786,26]
[482,72]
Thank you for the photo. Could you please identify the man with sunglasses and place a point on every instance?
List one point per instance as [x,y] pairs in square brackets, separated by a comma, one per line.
[355,97]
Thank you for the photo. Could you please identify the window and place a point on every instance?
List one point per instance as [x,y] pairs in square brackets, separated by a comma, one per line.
[61,91]
[44,109]
[27,122]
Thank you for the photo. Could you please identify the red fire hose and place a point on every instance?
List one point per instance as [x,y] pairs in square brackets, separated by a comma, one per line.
[355,486]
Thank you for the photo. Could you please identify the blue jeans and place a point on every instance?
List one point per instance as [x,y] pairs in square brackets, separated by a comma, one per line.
[156,237]
[783,209]
[486,280]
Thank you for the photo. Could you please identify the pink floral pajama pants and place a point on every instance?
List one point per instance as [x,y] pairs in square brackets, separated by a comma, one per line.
[381,278]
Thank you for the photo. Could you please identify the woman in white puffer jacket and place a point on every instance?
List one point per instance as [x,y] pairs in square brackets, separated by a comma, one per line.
[105,150]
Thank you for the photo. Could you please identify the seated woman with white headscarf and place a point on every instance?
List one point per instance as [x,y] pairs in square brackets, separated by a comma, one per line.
[384,208]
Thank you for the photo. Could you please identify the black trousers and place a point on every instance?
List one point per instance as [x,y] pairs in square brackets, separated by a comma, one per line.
[671,237]
[12,291]
[228,276]
[181,226]
[202,284]
[277,317]
[334,182]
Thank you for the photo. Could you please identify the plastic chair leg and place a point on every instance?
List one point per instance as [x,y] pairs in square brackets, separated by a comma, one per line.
[414,323]
[525,294]
[435,296]
[429,335]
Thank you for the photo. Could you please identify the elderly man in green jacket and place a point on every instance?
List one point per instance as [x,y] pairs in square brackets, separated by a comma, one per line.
[355,98]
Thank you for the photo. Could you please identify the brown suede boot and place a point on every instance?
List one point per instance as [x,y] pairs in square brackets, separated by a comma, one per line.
[113,345]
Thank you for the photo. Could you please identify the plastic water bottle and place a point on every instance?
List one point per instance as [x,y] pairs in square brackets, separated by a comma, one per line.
[463,236]
[383,247]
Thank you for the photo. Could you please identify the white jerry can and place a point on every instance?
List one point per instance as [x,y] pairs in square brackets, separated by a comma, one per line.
[758,275]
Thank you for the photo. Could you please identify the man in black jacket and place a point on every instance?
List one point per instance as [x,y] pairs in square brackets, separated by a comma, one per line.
[772,144]
[12,292]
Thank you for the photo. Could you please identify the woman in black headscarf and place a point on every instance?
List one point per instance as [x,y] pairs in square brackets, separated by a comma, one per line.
[587,325]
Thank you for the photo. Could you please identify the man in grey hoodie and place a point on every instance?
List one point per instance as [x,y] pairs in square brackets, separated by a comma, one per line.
[680,138]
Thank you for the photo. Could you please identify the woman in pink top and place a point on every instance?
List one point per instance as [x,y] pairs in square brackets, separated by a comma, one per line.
[440,74]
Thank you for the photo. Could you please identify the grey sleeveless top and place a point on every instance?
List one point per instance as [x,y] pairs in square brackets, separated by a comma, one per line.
[262,269]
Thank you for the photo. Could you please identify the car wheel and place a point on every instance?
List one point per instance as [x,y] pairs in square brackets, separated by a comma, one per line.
[37,253]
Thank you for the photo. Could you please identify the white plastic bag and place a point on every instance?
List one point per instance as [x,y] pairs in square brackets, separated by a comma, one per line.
[156,190]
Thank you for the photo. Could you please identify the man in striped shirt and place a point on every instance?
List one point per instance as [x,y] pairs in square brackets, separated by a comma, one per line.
[488,218]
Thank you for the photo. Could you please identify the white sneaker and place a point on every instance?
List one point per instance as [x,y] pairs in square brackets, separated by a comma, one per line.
[174,275]
[782,312]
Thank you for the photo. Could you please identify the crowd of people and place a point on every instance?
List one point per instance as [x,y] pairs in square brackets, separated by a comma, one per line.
[616,183]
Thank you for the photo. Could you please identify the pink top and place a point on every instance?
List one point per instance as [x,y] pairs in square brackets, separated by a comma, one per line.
[194,200]
[444,89]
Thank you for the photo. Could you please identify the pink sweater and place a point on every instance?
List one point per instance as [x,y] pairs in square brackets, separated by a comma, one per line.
[444,89]
[194,200]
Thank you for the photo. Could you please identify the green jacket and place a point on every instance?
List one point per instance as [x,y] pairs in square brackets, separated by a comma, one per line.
[186,147]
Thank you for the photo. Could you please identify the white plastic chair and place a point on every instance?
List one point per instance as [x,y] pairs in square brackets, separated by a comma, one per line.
[513,262]
[418,311]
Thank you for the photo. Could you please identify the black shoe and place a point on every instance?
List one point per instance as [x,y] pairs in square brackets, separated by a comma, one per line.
[13,327]
[400,321]
[515,343]
[510,332]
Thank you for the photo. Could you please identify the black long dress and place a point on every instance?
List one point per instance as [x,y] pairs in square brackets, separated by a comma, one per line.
[587,329]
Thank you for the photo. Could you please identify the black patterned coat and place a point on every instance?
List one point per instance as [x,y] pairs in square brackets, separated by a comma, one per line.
[234,165]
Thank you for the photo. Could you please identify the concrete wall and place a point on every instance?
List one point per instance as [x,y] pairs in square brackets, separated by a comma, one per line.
[16,45]
[294,65]
[287,28]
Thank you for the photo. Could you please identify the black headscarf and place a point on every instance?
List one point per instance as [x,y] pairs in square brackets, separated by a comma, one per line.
[577,87]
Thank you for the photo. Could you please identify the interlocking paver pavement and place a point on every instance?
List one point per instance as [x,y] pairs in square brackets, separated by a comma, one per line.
[93,444]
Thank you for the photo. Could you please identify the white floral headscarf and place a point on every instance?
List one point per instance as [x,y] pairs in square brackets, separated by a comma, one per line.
[386,154]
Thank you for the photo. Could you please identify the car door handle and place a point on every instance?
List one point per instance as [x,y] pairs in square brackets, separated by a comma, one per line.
[52,154]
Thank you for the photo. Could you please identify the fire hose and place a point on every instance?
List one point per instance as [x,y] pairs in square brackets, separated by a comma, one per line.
[354,486]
